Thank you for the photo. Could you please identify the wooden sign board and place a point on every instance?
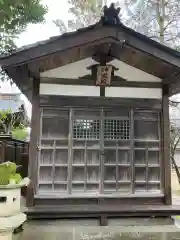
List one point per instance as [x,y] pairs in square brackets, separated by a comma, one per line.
[104,75]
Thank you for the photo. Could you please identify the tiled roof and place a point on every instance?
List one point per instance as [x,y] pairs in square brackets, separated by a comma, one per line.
[70,34]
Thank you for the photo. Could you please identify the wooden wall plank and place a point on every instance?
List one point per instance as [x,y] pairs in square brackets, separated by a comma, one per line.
[60,101]
[33,161]
[166,145]
[111,202]
[174,87]
[116,81]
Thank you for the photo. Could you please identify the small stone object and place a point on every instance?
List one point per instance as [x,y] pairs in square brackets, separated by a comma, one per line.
[11,218]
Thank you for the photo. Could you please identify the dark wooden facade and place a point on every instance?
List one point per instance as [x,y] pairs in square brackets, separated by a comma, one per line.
[124,127]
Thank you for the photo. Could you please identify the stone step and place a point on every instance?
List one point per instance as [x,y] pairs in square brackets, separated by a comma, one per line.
[51,231]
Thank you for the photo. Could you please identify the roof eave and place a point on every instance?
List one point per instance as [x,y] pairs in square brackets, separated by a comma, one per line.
[5,61]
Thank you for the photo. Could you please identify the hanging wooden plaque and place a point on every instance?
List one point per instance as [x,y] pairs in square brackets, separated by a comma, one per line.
[104,75]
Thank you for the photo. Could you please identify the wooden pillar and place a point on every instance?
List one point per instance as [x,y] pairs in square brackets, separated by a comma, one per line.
[3,151]
[166,146]
[33,160]
[103,220]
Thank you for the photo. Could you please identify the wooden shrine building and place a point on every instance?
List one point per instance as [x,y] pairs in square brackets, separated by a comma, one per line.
[100,120]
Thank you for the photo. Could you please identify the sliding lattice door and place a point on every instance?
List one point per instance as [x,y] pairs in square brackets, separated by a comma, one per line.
[96,152]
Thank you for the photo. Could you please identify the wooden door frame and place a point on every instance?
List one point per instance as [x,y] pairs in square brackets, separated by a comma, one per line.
[54,101]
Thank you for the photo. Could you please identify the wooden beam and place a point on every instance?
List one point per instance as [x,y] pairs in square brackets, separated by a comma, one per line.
[62,101]
[94,33]
[89,210]
[102,91]
[33,160]
[174,86]
[72,47]
[103,220]
[115,82]
[143,60]
[69,55]
[127,54]
[147,45]
[134,57]
[166,146]
[3,151]
[59,44]
[21,77]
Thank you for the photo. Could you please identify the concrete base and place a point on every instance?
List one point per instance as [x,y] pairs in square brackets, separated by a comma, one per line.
[176,221]
[8,224]
[6,235]
[53,230]
[140,221]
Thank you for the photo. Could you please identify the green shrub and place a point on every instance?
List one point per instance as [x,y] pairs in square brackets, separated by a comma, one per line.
[8,174]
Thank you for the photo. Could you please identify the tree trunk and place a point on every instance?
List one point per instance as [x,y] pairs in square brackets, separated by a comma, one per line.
[160,14]
[176,169]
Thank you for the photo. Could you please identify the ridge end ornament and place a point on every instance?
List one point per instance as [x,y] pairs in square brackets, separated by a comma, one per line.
[111,15]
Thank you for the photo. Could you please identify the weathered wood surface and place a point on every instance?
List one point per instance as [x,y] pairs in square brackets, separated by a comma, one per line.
[57,101]
[33,164]
[166,162]
[87,211]
[115,82]
[123,43]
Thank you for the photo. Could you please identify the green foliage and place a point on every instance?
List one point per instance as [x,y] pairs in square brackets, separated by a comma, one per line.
[10,121]
[20,133]
[15,15]
[6,121]
[8,173]
[15,177]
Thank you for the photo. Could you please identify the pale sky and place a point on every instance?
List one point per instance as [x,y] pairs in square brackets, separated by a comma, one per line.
[34,33]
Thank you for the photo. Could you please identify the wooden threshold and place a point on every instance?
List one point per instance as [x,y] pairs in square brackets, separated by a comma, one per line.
[91,211]
[98,201]
[112,196]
